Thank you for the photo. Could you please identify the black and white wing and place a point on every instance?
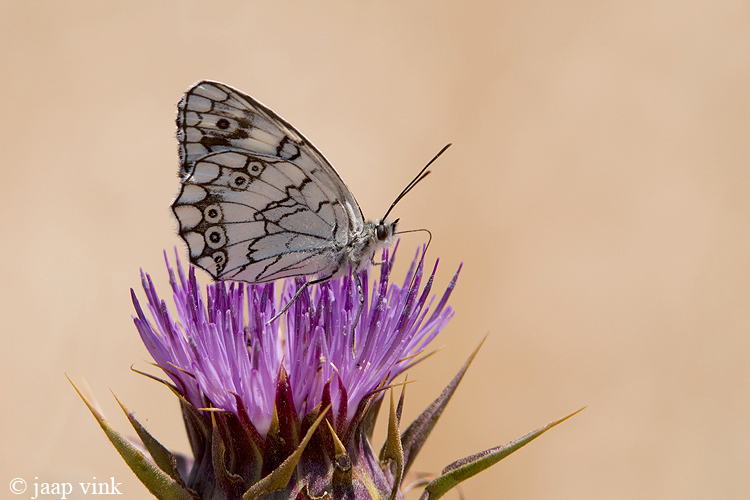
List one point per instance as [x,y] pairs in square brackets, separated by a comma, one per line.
[258,201]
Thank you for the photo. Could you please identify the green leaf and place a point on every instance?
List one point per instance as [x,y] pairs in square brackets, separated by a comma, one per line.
[158,482]
[225,481]
[463,469]
[419,430]
[279,478]
[341,457]
[164,458]
[392,450]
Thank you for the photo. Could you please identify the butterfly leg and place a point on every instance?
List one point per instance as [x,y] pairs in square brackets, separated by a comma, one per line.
[296,296]
[358,282]
[372,261]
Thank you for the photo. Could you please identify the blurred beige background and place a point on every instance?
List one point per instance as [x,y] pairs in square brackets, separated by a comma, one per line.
[597,191]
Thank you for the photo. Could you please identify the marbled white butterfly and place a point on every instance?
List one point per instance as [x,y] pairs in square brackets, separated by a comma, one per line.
[259,202]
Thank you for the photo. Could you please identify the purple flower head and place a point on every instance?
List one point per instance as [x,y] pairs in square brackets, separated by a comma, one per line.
[262,384]
[221,352]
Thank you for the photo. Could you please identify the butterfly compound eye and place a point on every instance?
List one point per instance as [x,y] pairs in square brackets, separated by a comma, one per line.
[381,232]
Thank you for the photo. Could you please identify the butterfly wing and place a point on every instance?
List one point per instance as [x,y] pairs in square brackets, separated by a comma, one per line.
[290,213]
[257,218]
[216,117]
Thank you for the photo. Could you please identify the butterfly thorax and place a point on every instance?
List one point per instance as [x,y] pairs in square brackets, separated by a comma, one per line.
[361,250]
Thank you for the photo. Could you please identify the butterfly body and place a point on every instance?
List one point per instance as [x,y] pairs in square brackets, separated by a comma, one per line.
[258,201]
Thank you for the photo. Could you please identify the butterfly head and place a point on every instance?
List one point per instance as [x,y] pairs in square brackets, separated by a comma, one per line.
[375,235]
[385,230]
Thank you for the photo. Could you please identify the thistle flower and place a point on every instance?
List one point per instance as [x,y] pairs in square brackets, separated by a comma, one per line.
[254,394]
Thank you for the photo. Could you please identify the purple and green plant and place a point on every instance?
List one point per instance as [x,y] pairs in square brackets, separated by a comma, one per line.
[286,409]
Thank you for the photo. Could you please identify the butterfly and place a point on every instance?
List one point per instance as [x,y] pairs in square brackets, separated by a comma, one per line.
[259,202]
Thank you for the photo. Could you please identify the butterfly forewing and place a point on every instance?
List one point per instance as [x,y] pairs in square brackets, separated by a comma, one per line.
[215,117]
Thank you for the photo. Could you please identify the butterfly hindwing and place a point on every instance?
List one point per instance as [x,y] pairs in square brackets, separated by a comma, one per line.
[257,218]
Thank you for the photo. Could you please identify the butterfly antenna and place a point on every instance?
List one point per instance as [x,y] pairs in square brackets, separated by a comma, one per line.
[429,234]
[421,175]
[424,251]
